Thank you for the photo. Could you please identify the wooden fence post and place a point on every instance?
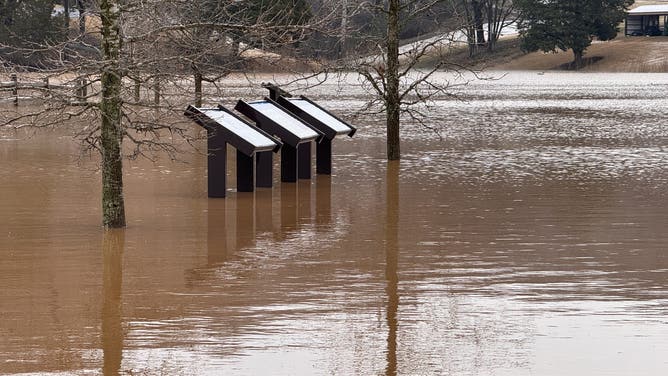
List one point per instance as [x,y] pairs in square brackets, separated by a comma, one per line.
[15,90]
[47,92]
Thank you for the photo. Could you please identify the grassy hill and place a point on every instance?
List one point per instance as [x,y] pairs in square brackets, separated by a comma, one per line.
[624,54]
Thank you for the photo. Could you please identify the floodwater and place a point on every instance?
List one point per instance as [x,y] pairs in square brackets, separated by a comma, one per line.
[530,240]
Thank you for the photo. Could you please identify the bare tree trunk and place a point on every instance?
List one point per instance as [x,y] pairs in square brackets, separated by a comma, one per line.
[82,17]
[578,61]
[392,98]
[492,35]
[15,89]
[235,47]
[499,15]
[198,85]
[491,44]
[344,29]
[478,22]
[66,9]
[137,90]
[156,91]
[470,40]
[113,206]
[469,26]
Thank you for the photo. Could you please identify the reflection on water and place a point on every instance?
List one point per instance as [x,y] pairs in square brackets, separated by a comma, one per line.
[217,239]
[323,208]
[392,263]
[112,307]
[530,240]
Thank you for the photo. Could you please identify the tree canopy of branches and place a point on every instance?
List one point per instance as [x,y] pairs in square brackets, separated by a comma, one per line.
[136,66]
[399,88]
[27,28]
[548,25]
[500,14]
[482,21]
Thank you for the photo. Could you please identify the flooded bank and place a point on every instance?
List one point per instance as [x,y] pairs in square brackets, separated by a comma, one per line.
[530,240]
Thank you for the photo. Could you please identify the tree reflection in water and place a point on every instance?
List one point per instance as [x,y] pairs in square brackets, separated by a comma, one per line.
[391,263]
[113,243]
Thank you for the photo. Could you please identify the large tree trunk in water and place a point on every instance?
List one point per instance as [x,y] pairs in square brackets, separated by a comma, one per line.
[392,99]
[578,62]
[113,206]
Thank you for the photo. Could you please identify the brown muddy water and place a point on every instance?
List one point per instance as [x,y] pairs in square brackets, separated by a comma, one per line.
[530,240]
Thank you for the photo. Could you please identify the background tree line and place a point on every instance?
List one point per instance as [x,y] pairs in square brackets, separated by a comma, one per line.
[32,23]
[27,26]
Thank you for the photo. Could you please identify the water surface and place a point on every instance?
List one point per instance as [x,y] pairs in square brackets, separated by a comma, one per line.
[530,240]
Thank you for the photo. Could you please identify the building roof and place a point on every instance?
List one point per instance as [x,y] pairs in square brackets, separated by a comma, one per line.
[647,10]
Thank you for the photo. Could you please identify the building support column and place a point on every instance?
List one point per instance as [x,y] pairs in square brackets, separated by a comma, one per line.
[304,155]
[217,166]
[288,164]
[323,158]
[245,173]
[265,166]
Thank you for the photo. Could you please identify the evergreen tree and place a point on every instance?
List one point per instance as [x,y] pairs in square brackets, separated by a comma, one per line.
[548,25]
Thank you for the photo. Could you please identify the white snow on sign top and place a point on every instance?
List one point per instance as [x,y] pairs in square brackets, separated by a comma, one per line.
[285,120]
[240,128]
[324,116]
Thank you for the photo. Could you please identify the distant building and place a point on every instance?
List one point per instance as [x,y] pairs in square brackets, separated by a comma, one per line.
[647,20]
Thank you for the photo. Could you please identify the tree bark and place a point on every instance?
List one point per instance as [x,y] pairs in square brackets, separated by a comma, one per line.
[470,40]
[469,24]
[478,22]
[113,206]
[198,85]
[344,30]
[392,98]
[578,61]
[66,13]
[492,25]
[82,17]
